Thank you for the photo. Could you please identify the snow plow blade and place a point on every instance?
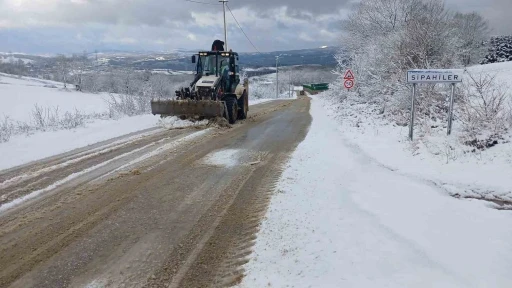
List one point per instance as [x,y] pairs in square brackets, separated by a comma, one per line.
[188,108]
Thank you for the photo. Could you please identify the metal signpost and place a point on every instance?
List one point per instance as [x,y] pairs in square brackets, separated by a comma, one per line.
[349,79]
[433,76]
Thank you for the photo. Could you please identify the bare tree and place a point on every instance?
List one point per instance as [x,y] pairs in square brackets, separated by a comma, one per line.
[78,64]
[472,31]
[63,66]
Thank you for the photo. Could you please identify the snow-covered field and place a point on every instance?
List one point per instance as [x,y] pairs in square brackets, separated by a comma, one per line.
[502,71]
[344,216]
[172,72]
[18,98]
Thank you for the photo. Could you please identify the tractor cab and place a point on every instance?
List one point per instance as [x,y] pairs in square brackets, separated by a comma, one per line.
[221,64]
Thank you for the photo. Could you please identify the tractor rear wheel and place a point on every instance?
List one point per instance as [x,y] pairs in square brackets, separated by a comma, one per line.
[232,106]
[243,104]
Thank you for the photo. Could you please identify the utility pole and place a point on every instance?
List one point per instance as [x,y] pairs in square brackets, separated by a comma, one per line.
[225,28]
[277,78]
[291,86]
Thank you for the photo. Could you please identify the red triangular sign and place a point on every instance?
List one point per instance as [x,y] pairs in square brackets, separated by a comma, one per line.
[349,75]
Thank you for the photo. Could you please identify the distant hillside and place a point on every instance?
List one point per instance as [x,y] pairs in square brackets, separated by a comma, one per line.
[324,57]
[180,59]
[170,62]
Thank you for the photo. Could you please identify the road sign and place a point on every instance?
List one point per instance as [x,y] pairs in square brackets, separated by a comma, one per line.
[349,75]
[435,76]
[431,76]
[349,83]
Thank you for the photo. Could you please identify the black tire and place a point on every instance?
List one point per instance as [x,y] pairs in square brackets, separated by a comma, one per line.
[232,106]
[243,105]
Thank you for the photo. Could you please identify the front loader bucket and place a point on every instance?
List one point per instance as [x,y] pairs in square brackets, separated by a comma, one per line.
[189,108]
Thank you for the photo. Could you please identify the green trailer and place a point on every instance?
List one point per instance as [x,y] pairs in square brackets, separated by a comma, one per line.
[316,88]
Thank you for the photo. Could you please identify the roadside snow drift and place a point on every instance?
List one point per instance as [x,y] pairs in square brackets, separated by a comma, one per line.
[23,149]
[339,218]
[175,122]
[460,170]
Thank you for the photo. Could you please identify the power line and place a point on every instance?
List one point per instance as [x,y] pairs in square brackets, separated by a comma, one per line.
[242,29]
[199,2]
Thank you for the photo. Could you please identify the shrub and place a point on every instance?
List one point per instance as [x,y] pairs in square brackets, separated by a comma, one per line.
[483,106]
[45,118]
[6,129]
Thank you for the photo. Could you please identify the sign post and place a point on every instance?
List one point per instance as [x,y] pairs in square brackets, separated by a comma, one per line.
[433,76]
[349,79]
[450,116]
[413,100]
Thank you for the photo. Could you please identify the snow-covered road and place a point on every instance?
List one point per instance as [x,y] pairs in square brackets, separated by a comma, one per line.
[341,219]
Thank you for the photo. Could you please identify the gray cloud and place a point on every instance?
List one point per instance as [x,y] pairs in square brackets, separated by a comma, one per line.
[297,6]
[168,24]
[497,12]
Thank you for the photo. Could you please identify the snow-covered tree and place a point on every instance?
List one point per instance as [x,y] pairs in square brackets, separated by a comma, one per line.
[472,32]
[500,50]
[78,65]
[63,66]
[385,38]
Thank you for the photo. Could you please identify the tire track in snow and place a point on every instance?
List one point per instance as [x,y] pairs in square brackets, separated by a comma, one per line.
[173,144]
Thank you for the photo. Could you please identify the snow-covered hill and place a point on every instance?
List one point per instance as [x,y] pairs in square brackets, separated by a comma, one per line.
[14,60]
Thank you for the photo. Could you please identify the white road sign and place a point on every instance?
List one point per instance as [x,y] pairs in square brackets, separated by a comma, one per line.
[435,76]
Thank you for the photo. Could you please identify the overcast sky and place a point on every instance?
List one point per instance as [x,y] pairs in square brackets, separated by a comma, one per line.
[51,26]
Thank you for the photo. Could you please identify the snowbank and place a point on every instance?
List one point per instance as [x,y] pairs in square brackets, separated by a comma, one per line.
[22,149]
[175,122]
[258,101]
[340,218]
[433,157]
